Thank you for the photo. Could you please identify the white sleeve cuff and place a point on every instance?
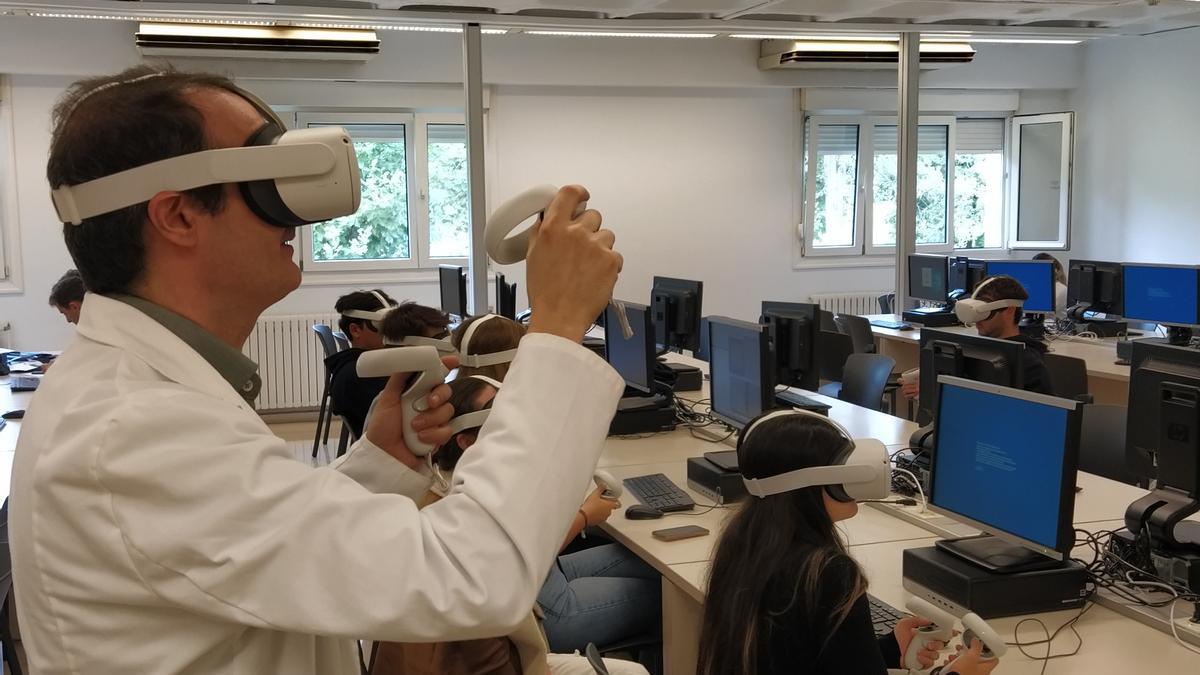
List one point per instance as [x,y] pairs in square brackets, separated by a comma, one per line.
[379,472]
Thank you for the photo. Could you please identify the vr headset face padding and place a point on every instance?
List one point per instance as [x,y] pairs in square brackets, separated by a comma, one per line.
[859,470]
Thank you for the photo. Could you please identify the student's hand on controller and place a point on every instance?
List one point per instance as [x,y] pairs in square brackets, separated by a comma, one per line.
[598,508]
[572,267]
[970,661]
[911,390]
[386,426]
[906,630]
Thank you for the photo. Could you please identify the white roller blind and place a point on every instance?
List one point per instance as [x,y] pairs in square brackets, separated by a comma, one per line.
[980,136]
[931,138]
[837,139]
[446,133]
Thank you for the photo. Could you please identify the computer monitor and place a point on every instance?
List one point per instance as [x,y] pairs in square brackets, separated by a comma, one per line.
[1037,276]
[633,359]
[452,282]
[701,353]
[978,358]
[1097,286]
[965,275]
[1005,462]
[677,304]
[739,366]
[928,277]
[1162,434]
[1166,294]
[793,329]
[506,297]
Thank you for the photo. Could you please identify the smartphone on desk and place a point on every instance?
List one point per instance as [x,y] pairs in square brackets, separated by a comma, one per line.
[677,533]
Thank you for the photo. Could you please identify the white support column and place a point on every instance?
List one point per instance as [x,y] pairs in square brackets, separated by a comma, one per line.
[906,174]
[473,88]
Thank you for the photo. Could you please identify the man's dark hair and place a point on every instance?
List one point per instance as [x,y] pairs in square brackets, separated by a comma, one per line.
[105,125]
[364,300]
[69,288]
[412,319]
[1002,287]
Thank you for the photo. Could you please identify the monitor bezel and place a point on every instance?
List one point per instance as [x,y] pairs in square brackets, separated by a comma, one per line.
[1070,468]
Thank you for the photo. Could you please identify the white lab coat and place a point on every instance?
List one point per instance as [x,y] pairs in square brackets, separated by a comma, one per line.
[158,526]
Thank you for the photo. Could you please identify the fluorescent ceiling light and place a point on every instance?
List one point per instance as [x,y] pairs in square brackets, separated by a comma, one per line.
[588,33]
[155,19]
[855,38]
[255,32]
[415,29]
[1006,41]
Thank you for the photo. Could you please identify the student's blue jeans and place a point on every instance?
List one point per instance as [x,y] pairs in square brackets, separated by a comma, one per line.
[601,595]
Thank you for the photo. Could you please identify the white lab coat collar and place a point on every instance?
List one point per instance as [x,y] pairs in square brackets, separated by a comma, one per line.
[114,323]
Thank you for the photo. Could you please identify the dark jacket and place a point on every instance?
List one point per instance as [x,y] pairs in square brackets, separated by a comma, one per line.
[350,395]
[1037,376]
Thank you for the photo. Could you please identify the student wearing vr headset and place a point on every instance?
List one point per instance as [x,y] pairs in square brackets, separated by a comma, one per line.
[629,591]
[486,345]
[157,523]
[411,325]
[995,311]
[359,316]
[784,595]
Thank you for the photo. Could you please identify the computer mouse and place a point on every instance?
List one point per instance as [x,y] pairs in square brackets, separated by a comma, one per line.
[905,326]
[13,414]
[642,512]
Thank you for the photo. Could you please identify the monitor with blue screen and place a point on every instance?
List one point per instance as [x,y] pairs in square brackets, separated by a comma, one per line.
[1166,294]
[1037,276]
[1014,481]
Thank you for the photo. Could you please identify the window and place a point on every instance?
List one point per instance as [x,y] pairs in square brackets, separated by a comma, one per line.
[415,208]
[960,184]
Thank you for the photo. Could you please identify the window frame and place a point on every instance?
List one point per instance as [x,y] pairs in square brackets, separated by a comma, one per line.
[416,157]
[864,249]
[10,232]
[1066,182]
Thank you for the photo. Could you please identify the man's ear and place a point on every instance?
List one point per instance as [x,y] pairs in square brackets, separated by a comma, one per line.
[173,217]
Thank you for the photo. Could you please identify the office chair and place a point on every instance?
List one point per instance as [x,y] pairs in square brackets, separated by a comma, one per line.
[11,659]
[859,330]
[325,415]
[343,342]
[1068,377]
[827,321]
[1102,443]
[832,351]
[887,303]
[864,379]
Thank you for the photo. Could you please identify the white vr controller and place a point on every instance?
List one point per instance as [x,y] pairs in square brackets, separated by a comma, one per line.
[426,364]
[507,248]
[942,630]
[611,486]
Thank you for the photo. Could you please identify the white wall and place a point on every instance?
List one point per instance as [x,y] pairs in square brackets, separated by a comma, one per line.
[687,148]
[1137,149]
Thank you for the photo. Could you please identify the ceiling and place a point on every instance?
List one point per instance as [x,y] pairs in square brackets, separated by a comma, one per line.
[1031,16]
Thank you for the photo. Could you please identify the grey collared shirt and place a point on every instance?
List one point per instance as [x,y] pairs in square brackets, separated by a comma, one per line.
[240,372]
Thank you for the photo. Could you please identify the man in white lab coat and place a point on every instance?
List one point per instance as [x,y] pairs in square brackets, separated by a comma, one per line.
[158,526]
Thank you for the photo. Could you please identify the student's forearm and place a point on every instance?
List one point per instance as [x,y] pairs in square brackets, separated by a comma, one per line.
[577,526]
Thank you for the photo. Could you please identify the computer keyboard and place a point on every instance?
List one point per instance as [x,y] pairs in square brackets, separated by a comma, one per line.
[789,397]
[24,383]
[660,492]
[893,325]
[884,617]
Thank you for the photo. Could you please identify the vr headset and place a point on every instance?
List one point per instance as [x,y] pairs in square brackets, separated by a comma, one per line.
[375,316]
[859,471]
[288,178]
[465,357]
[971,311]
[473,420]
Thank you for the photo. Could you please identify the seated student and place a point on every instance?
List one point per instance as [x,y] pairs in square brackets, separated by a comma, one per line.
[526,650]
[486,344]
[1004,324]
[784,595]
[1060,284]
[350,395]
[67,295]
[410,325]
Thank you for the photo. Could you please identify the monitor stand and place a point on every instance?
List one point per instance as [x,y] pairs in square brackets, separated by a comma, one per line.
[1179,336]
[996,555]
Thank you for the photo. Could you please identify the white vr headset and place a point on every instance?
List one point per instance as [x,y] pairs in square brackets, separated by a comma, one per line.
[288,178]
[971,311]
[465,358]
[859,471]
[442,344]
[374,316]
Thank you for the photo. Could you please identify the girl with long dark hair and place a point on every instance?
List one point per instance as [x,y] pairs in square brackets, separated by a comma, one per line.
[784,595]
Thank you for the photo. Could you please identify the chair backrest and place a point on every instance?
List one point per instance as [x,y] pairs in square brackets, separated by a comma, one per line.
[887,303]
[1068,376]
[325,337]
[827,321]
[865,378]
[1102,443]
[343,342]
[832,351]
[859,330]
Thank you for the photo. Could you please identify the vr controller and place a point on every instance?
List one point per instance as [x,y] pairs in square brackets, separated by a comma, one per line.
[612,486]
[507,248]
[426,364]
[942,630]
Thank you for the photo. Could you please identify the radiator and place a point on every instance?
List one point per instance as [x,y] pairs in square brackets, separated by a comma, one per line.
[860,302]
[290,361]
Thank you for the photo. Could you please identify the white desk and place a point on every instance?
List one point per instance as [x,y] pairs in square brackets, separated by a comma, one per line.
[1107,381]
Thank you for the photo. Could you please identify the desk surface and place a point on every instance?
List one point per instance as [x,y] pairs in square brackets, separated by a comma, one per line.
[1100,355]
[10,432]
